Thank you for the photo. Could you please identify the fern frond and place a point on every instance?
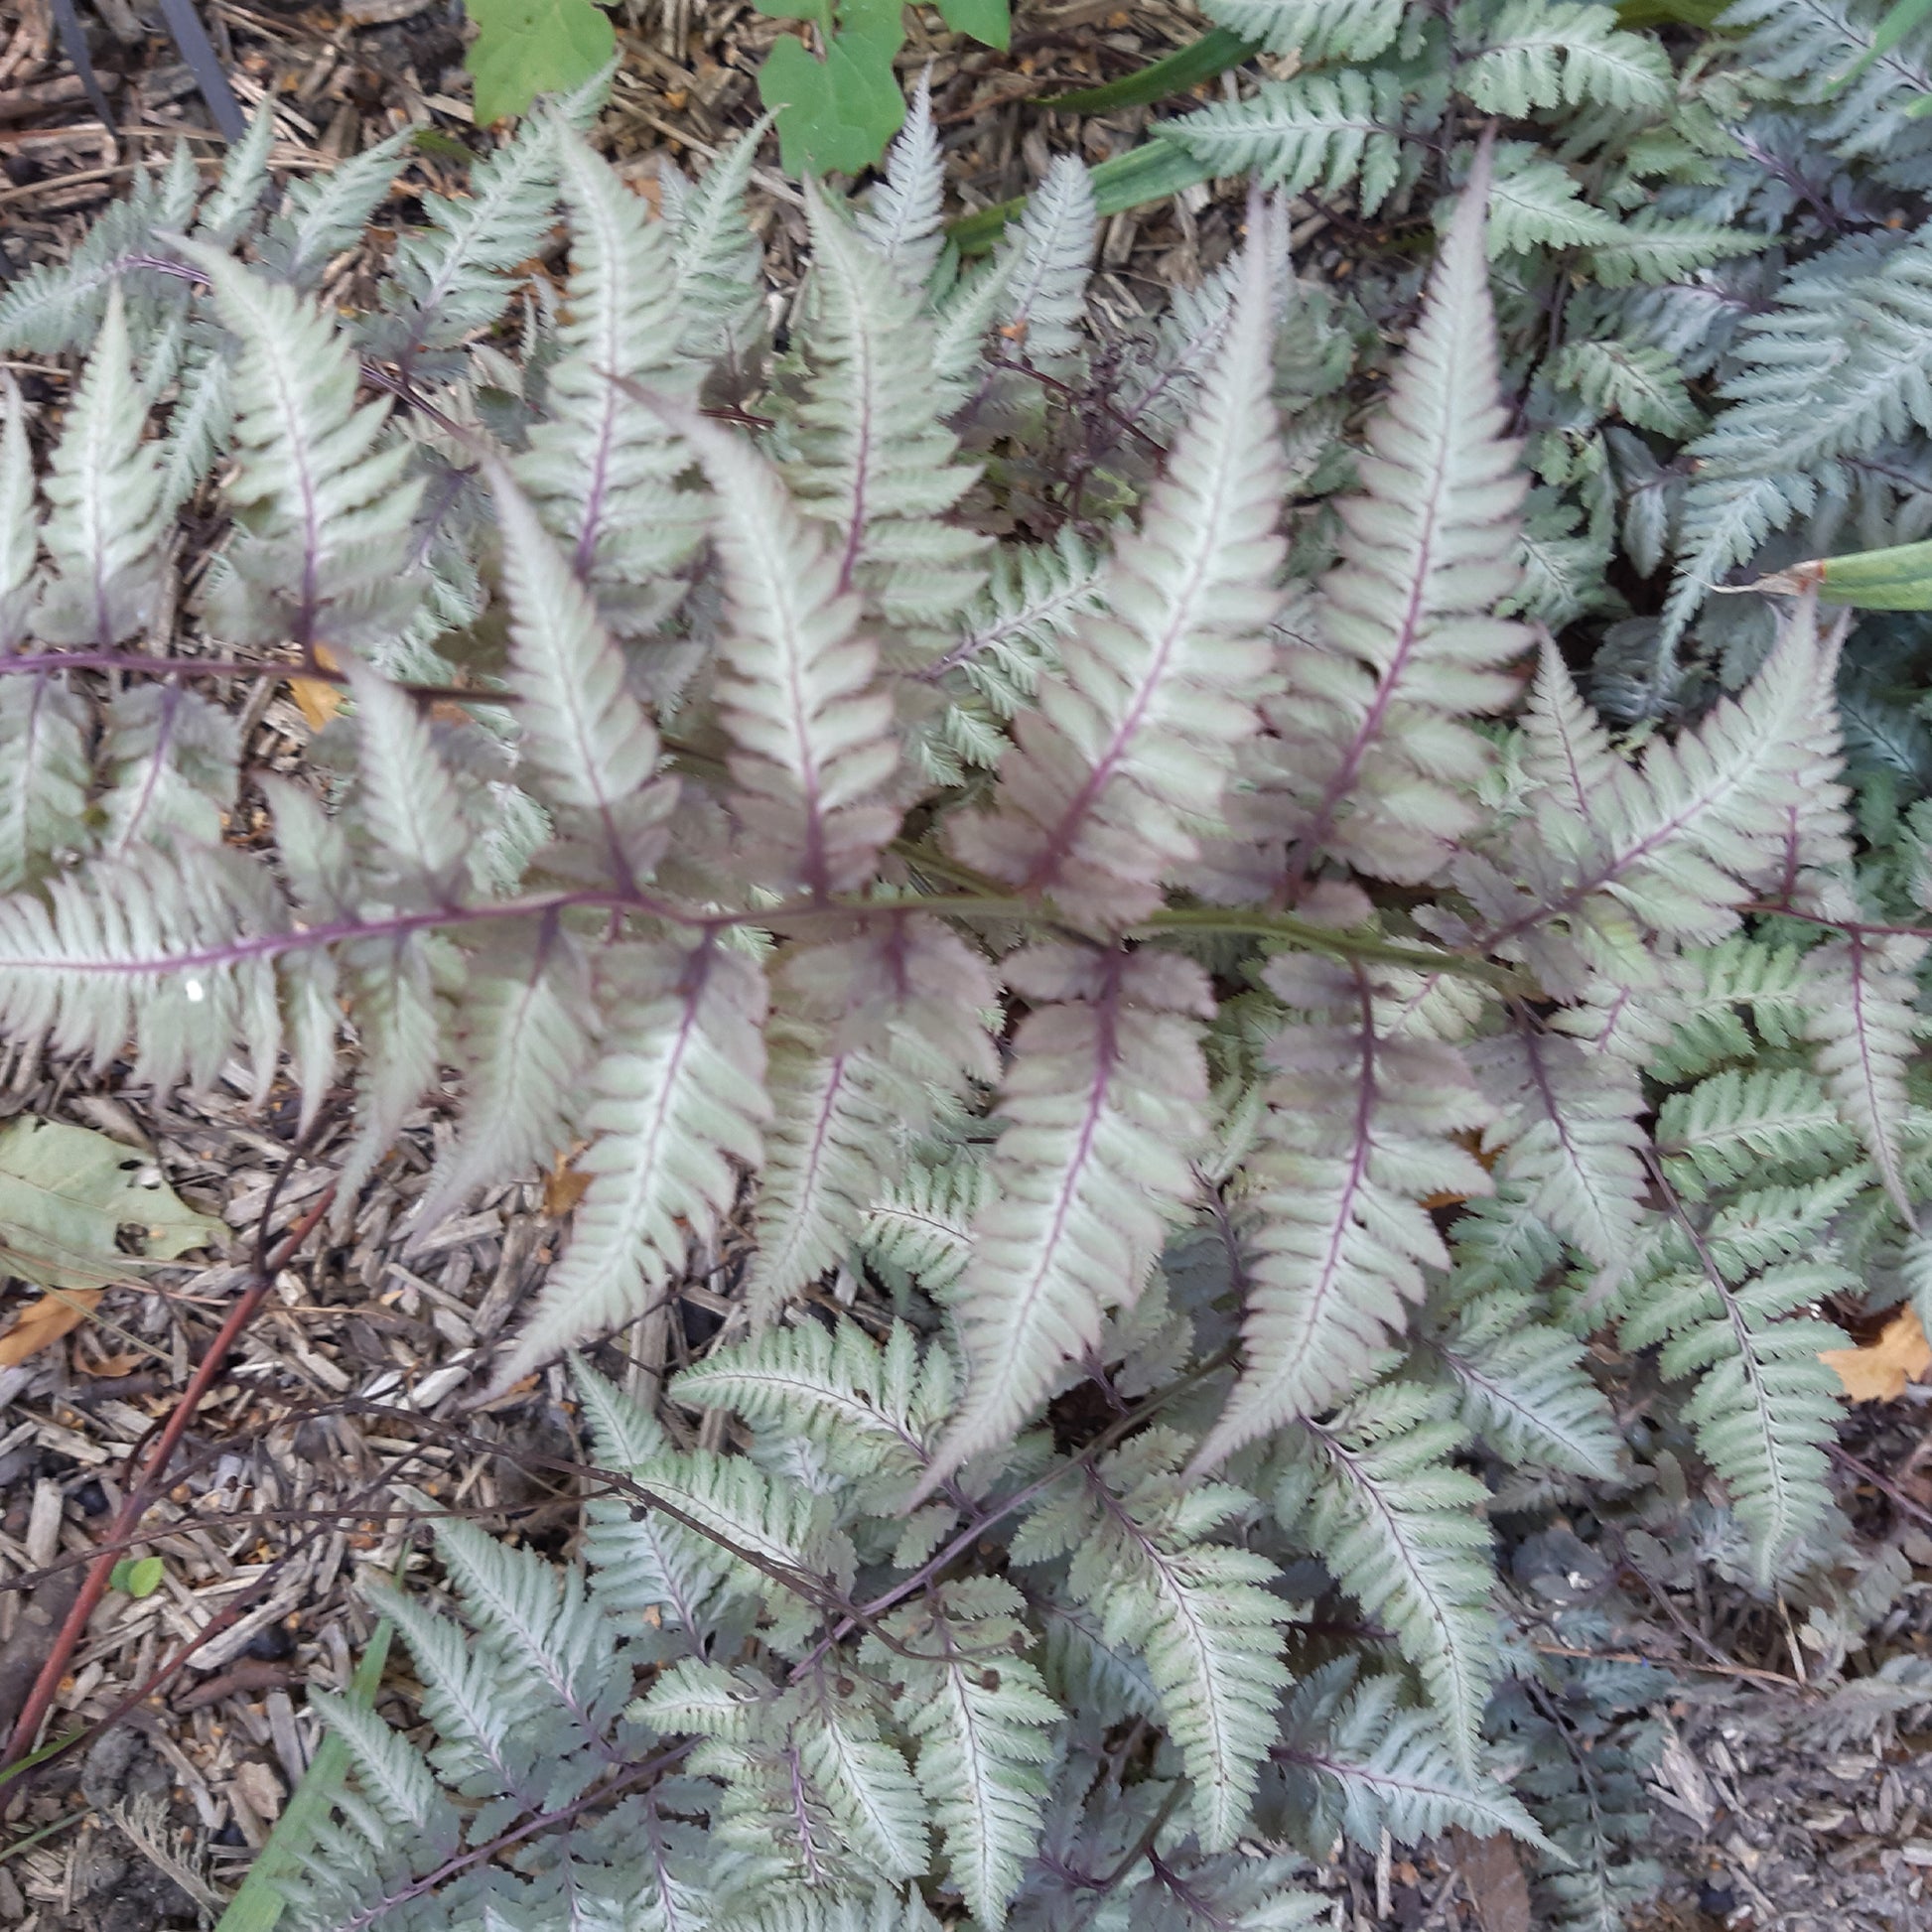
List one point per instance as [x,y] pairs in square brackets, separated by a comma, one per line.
[172,950]
[1043,296]
[868,1787]
[1861,1021]
[1708,818]
[642,1561]
[325,495]
[901,215]
[199,420]
[1642,385]
[526,1036]
[886,1911]
[1520,1385]
[19,526]
[323,213]
[677,1095]
[783,1544]
[1316,30]
[1730,1305]
[869,1410]
[720,265]
[1034,595]
[1716,1133]
[603,466]
[1331,130]
[1372,1491]
[810,728]
[1128,750]
[1102,1104]
[406,793]
[170,762]
[58,305]
[103,526]
[1199,1611]
[1360,1760]
[875,461]
[593,746]
[1533,55]
[833,1120]
[979,1721]
[1570,1138]
[877,1030]
[1359,1129]
[44,775]
[452,278]
[1407,642]
[231,204]
[922,1225]
[393,1003]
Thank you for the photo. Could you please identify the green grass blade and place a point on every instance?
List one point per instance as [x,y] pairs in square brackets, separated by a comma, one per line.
[1901,21]
[258,1904]
[1186,67]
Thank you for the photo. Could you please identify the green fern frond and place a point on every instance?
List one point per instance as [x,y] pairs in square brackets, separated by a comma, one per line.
[1535,55]
[1373,1492]
[1199,1611]
[979,1716]
[1328,130]
[1358,1759]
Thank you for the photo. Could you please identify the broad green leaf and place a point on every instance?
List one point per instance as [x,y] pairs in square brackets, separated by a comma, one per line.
[987,21]
[836,114]
[526,48]
[65,1192]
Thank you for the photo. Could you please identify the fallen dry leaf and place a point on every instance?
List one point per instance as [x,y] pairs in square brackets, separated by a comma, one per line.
[1879,1371]
[316,698]
[1493,1874]
[563,1186]
[45,1322]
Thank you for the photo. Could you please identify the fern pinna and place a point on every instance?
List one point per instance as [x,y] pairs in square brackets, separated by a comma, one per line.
[1253,990]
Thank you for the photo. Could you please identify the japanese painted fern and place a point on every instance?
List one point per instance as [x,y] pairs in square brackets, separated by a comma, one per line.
[1249,1102]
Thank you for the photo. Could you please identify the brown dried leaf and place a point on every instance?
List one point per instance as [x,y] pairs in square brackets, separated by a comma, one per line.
[1493,1874]
[563,1186]
[43,1323]
[1879,1371]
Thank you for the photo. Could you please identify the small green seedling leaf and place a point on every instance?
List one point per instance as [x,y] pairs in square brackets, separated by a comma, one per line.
[136,1576]
[836,114]
[990,22]
[526,48]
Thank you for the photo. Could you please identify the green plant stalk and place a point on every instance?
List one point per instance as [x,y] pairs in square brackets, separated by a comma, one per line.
[1186,67]
[1895,579]
[258,1904]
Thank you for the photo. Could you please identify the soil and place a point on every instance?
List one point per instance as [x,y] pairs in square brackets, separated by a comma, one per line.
[340,1426]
